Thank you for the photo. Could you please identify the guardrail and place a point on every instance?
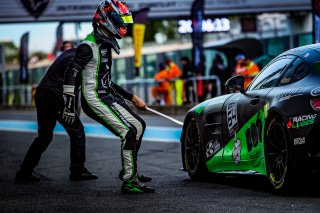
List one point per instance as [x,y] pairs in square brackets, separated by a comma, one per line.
[23,95]
[17,95]
[142,87]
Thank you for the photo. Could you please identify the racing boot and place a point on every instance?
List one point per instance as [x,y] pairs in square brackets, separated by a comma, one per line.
[140,177]
[143,178]
[81,174]
[134,186]
[26,177]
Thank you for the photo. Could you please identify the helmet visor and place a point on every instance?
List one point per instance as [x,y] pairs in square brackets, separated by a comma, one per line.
[124,12]
[127,19]
[120,20]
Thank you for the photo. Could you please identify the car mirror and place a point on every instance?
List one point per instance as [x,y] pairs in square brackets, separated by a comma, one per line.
[235,83]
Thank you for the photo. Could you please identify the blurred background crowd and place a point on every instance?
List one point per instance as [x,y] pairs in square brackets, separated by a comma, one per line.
[173,61]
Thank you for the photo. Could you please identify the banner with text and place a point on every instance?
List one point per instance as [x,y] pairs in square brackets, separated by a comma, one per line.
[83,10]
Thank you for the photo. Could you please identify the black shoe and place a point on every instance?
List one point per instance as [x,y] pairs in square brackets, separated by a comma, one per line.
[83,174]
[26,177]
[143,178]
[134,186]
[140,177]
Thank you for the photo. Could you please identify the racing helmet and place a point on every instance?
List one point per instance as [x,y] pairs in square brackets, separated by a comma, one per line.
[112,17]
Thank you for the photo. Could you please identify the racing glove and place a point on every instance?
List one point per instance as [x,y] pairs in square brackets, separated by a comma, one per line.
[68,114]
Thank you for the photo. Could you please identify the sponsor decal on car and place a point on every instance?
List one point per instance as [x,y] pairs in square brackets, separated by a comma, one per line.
[212,148]
[301,121]
[254,134]
[199,110]
[232,117]
[236,153]
[292,93]
[315,91]
[299,141]
[255,155]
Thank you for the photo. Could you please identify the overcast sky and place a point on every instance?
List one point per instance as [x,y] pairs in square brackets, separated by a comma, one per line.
[42,35]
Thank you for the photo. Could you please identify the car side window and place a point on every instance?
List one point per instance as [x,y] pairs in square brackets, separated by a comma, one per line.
[271,74]
[297,71]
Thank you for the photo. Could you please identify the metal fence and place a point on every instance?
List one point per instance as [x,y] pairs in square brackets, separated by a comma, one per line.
[17,95]
[23,95]
[142,87]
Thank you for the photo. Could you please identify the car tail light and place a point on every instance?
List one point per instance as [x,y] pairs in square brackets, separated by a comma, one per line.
[315,103]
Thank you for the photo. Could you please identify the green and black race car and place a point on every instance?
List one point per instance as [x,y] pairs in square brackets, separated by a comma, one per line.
[272,128]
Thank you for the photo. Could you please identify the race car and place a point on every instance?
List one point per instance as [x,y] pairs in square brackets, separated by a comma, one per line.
[271,128]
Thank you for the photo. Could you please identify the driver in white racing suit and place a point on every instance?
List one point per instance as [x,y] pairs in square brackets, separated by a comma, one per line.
[102,99]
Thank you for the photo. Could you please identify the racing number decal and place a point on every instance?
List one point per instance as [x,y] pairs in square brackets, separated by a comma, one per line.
[233,127]
[232,118]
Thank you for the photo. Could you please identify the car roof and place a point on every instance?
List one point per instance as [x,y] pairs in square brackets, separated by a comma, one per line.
[303,52]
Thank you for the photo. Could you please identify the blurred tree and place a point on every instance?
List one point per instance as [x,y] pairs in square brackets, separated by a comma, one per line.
[167,27]
[39,55]
[11,52]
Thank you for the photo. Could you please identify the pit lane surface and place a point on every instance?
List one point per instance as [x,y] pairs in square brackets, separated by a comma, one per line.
[175,192]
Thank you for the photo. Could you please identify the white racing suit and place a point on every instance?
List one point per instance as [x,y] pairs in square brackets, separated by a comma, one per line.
[103,100]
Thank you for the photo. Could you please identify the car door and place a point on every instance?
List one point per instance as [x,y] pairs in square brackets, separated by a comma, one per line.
[244,115]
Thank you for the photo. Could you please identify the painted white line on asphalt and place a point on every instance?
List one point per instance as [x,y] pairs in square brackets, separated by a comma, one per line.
[153,134]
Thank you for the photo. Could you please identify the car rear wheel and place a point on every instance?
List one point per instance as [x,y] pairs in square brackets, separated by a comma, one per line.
[278,156]
[193,154]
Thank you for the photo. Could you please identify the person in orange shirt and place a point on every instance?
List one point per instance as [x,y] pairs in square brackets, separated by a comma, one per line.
[175,71]
[177,82]
[247,68]
[163,87]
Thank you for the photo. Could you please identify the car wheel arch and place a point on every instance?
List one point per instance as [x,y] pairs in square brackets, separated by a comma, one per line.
[187,119]
[275,117]
[271,115]
[199,170]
